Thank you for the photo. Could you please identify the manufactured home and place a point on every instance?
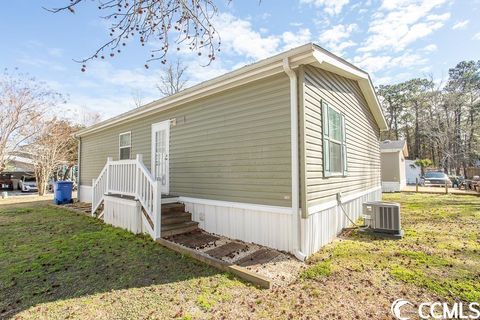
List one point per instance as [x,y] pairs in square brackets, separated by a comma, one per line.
[393,154]
[276,153]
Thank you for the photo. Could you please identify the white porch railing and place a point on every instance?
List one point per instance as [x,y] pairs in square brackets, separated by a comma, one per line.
[131,178]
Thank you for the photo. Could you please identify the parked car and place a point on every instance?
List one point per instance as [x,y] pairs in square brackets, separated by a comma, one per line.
[456,180]
[436,179]
[6,181]
[471,184]
[27,184]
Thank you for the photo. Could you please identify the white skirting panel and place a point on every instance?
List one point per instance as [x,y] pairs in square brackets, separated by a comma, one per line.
[85,194]
[391,186]
[268,228]
[323,226]
[123,213]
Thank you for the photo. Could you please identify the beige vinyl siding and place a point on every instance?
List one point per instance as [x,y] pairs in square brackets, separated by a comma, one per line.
[362,136]
[392,166]
[402,170]
[232,146]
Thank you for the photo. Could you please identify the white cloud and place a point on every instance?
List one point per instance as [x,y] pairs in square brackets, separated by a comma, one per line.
[138,78]
[332,7]
[239,37]
[399,23]
[383,80]
[337,33]
[292,40]
[476,36]
[108,105]
[430,48]
[460,25]
[439,17]
[197,73]
[374,63]
[335,38]
[409,60]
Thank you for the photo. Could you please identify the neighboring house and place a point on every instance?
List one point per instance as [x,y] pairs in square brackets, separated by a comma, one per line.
[20,162]
[393,165]
[413,173]
[264,154]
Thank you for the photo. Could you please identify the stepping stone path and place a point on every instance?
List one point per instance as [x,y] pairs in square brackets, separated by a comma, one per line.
[261,256]
[194,240]
[225,249]
[229,250]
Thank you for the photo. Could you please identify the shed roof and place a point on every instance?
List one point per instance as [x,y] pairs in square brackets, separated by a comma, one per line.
[307,54]
[394,146]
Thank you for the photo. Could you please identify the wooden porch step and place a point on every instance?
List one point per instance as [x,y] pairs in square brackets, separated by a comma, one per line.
[178,228]
[175,217]
[173,207]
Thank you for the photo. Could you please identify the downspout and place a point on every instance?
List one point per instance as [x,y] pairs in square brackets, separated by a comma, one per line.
[78,167]
[295,162]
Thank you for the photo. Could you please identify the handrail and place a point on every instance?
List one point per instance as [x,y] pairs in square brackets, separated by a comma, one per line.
[131,178]
[99,188]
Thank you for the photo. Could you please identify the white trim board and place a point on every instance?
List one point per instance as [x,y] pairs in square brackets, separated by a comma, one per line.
[345,199]
[238,205]
[220,203]
[390,150]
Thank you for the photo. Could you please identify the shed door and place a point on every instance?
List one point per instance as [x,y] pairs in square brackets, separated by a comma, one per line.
[160,154]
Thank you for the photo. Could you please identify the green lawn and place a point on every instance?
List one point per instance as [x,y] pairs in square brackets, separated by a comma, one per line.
[56,264]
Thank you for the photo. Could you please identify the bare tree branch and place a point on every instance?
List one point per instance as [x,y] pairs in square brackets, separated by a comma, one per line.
[173,79]
[163,23]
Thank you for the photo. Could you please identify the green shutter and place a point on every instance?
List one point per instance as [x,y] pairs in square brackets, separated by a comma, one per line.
[326,142]
[325,128]
[344,147]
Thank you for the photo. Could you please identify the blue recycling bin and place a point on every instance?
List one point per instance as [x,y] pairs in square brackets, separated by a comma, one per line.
[63,192]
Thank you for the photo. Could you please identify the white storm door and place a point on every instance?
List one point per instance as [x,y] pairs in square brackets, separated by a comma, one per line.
[160,154]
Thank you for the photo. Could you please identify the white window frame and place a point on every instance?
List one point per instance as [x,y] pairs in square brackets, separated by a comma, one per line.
[326,139]
[120,147]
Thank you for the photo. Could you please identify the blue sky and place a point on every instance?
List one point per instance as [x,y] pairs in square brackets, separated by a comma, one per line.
[394,40]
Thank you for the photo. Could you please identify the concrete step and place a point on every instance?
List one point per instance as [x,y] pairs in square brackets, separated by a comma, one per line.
[176,217]
[173,207]
[178,228]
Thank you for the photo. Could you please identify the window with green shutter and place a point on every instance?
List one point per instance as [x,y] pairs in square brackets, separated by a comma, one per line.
[334,142]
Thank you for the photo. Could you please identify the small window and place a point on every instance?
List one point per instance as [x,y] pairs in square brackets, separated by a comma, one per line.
[334,142]
[125,145]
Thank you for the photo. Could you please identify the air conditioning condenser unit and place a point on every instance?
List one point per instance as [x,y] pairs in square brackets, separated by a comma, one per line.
[383,219]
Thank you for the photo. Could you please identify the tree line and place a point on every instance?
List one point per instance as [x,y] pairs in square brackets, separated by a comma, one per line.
[438,120]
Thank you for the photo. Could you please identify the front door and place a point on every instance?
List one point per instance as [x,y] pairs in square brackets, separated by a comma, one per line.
[160,153]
